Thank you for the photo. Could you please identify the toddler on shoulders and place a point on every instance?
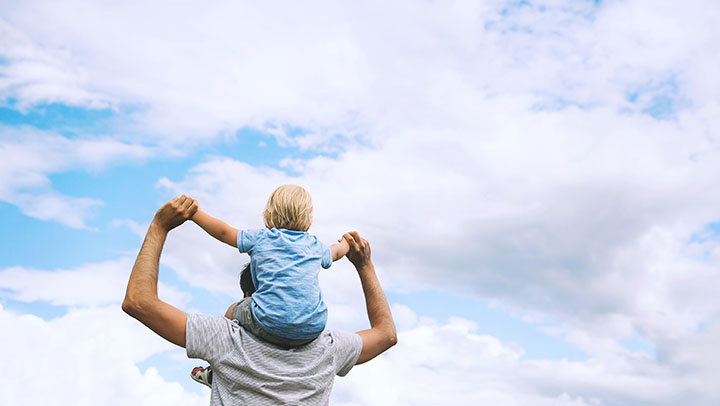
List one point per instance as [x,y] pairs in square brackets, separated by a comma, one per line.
[287,308]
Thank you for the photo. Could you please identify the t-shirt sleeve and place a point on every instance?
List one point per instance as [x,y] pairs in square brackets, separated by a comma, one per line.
[326,260]
[246,239]
[347,350]
[207,337]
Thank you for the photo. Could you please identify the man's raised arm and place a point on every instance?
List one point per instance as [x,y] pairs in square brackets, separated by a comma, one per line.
[141,299]
[381,335]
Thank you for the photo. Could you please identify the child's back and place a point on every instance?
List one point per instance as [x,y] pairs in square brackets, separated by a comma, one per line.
[287,307]
[285,265]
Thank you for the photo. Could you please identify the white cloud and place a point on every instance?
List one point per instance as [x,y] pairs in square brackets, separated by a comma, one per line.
[70,287]
[450,364]
[28,156]
[67,210]
[87,357]
[41,74]
[510,156]
[349,69]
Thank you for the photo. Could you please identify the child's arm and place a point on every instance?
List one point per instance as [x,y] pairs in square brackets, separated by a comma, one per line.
[340,249]
[217,228]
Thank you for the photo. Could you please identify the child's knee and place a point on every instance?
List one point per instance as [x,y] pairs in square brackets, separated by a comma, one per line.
[228,313]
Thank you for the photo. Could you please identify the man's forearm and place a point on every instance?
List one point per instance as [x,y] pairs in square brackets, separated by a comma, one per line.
[378,309]
[142,286]
[381,335]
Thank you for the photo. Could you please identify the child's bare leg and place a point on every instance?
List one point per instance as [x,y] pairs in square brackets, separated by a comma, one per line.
[228,313]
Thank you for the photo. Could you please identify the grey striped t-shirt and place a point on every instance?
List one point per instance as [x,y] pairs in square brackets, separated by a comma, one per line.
[249,371]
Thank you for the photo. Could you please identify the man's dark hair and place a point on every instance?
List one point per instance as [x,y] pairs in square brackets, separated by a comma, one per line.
[246,282]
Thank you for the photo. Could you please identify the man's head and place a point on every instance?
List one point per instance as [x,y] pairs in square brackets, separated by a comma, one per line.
[289,207]
[246,282]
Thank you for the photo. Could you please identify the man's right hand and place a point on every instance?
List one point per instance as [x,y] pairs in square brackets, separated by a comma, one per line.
[359,253]
[175,212]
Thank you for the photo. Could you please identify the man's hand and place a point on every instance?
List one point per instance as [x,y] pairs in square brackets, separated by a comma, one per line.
[359,253]
[175,212]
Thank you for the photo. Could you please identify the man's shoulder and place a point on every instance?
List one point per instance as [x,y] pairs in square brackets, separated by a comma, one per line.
[329,341]
[346,349]
[206,318]
[343,338]
[208,336]
[339,335]
[198,323]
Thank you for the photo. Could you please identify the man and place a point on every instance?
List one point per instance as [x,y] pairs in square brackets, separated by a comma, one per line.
[247,370]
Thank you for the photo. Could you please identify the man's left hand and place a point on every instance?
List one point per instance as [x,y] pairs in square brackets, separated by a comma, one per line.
[175,212]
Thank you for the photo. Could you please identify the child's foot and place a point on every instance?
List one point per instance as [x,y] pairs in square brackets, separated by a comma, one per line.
[202,375]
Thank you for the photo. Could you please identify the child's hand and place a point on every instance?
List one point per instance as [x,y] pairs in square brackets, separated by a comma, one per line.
[340,249]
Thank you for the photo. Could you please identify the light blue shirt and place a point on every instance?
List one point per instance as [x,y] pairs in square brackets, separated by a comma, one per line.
[285,265]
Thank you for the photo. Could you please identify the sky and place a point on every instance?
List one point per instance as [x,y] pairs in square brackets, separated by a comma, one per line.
[538,181]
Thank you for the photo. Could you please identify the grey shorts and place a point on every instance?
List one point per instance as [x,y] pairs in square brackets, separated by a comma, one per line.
[243,315]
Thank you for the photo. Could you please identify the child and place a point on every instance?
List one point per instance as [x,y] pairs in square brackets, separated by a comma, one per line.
[287,308]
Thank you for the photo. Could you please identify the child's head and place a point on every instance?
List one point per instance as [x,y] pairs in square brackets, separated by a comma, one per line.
[289,207]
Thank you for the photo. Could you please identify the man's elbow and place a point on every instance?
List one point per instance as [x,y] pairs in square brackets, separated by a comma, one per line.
[389,336]
[132,307]
[391,339]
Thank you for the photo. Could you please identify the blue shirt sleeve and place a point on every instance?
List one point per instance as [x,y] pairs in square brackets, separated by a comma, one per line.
[326,260]
[246,239]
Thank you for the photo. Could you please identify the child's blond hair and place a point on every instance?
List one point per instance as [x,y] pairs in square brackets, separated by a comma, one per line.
[289,207]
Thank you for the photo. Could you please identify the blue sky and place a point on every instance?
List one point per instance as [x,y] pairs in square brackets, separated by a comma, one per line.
[538,181]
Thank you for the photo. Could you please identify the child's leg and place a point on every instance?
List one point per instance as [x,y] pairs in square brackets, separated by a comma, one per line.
[240,312]
[228,313]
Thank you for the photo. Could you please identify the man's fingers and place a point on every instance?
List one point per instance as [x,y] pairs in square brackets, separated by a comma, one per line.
[186,203]
[351,241]
[192,208]
[354,240]
[187,207]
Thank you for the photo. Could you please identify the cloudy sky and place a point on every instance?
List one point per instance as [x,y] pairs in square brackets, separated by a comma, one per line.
[538,180]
